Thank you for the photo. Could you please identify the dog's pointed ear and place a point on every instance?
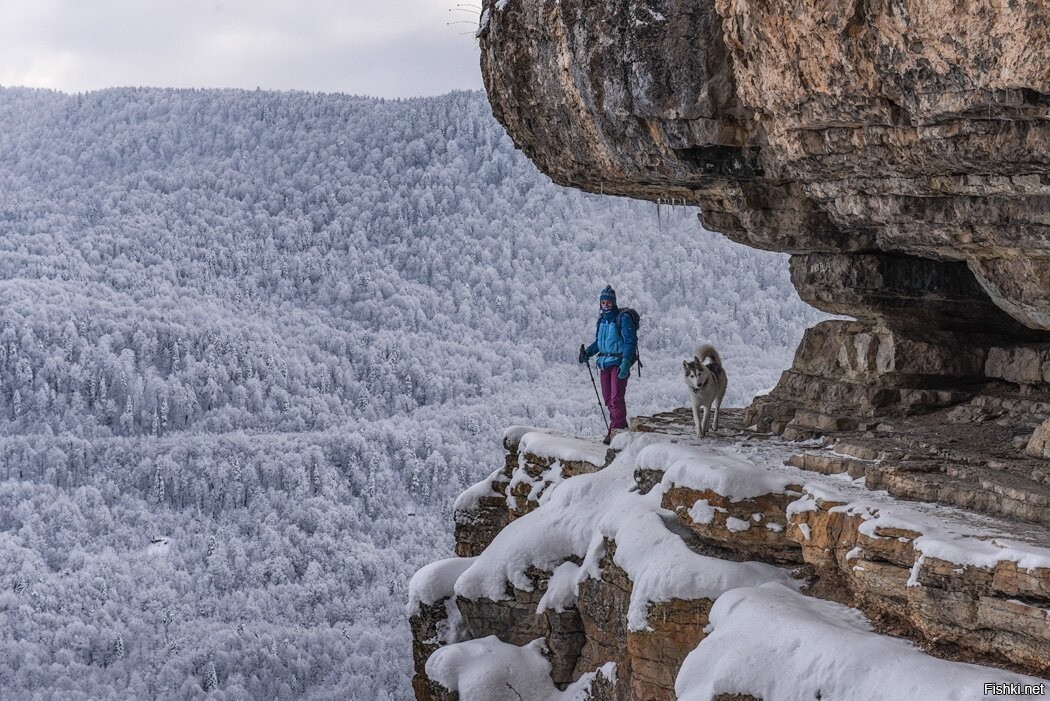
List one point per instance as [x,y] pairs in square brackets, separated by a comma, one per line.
[685,364]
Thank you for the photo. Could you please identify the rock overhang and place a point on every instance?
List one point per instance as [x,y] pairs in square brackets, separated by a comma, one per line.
[802,126]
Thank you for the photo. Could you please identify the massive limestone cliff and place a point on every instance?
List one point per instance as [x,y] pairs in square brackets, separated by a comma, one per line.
[898,149]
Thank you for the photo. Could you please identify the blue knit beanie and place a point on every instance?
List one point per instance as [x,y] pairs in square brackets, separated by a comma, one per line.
[608,293]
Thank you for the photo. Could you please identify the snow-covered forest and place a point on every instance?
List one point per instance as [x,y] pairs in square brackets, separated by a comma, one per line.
[253,344]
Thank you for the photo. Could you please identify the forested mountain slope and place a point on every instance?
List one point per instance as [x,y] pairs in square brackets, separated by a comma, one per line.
[251,346]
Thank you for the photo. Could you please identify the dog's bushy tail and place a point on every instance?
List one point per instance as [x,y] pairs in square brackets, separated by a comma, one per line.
[706,351]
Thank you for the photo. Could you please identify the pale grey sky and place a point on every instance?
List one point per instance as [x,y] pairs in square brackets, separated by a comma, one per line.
[389,48]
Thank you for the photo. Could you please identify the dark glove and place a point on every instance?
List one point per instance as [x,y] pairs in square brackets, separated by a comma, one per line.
[625,372]
[583,354]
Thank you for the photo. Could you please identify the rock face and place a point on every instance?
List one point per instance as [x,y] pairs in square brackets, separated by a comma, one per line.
[899,150]
[905,167]
[1039,445]
[636,602]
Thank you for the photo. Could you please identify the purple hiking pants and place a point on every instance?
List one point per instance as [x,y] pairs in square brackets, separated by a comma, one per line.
[614,392]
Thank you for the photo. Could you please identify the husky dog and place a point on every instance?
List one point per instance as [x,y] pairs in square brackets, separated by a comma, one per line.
[707,385]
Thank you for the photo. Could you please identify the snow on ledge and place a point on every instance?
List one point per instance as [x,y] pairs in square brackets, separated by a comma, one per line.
[435,582]
[945,533]
[546,445]
[950,545]
[471,497]
[512,434]
[488,669]
[562,589]
[774,643]
[580,515]
[707,468]
[586,509]
[766,640]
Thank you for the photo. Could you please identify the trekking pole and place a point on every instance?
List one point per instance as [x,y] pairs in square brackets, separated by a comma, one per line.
[595,385]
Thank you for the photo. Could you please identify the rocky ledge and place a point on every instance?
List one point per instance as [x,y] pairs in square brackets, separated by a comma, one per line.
[742,566]
[906,168]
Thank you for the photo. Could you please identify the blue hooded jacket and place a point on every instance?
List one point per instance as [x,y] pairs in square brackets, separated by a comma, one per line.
[615,338]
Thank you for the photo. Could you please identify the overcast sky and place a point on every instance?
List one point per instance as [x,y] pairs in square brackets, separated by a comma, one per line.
[389,48]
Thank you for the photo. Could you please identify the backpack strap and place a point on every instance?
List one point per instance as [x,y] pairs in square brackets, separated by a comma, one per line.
[626,312]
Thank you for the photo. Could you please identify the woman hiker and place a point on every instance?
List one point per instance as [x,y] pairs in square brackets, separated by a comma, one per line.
[615,343]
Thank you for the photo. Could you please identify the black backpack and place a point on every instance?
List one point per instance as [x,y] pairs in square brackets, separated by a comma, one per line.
[636,319]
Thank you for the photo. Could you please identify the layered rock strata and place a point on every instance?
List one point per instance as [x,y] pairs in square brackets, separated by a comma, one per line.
[620,566]
[590,603]
[907,169]
[934,579]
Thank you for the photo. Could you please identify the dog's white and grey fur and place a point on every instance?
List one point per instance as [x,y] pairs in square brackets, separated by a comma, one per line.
[707,383]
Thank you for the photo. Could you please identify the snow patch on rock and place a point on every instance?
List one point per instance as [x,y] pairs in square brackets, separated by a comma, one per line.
[710,468]
[702,512]
[737,525]
[488,669]
[774,643]
[545,445]
[471,497]
[435,581]
[584,513]
[562,589]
